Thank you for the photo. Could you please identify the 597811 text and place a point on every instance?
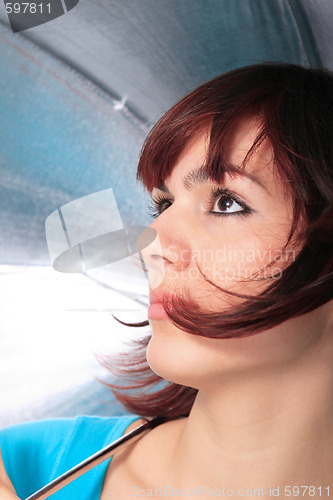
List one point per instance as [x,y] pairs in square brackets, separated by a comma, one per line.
[27,8]
[299,491]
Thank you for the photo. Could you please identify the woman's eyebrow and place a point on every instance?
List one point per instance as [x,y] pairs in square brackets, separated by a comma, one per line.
[200,175]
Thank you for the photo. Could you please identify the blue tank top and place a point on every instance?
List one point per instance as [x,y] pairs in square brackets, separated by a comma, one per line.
[35,453]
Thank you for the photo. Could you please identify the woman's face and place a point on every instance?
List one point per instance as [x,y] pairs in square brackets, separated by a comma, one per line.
[231,231]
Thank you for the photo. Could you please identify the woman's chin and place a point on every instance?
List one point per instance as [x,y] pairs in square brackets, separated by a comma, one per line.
[162,356]
[171,356]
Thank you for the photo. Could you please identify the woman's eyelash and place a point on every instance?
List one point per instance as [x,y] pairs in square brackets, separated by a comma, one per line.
[159,203]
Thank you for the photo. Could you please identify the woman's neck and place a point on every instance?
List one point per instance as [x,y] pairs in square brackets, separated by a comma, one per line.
[268,429]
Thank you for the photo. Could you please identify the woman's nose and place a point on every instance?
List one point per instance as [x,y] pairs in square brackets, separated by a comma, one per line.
[165,249]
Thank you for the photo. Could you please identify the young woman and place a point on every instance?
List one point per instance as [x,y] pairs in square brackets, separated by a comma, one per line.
[240,356]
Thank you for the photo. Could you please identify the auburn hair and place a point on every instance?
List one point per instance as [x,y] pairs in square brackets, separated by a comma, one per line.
[295,108]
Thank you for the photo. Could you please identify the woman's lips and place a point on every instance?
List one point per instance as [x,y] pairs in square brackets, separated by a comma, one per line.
[157,311]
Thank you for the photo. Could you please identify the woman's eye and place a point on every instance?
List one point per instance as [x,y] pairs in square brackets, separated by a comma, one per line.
[157,206]
[162,205]
[226,204]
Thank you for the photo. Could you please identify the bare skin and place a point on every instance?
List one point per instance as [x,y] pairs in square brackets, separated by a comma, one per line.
[274,429]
